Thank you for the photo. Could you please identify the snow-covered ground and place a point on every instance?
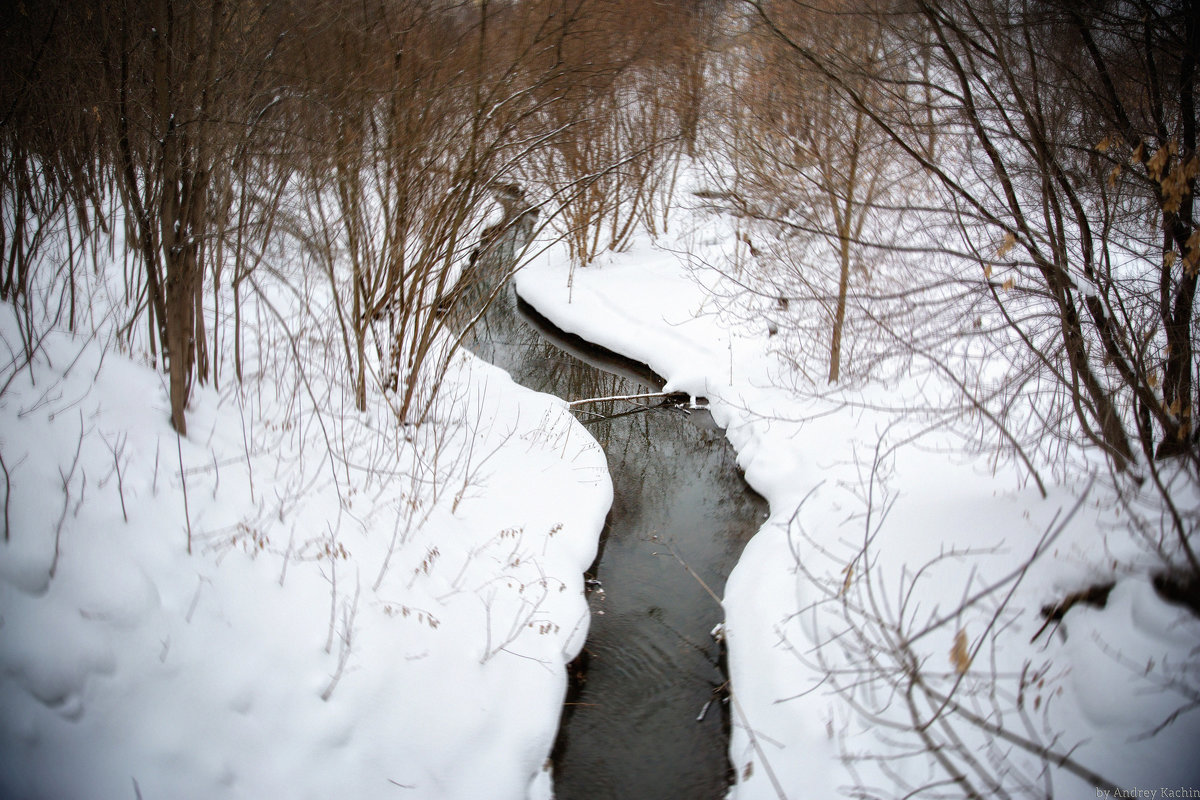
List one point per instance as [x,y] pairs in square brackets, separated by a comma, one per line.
[369,610]
[364,612]
[880,528]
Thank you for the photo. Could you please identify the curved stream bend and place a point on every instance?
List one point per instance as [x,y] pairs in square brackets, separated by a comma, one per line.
[646,716]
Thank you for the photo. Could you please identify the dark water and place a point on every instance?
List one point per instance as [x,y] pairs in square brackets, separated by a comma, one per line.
[635,725]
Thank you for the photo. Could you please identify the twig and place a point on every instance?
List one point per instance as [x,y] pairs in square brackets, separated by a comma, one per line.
[347,640]
[66,485]
[116,451]
[195,600]
[1017,575]
[7,495]
[287,555]
[598,418]
[692,572]
[217,469]
[1044,753]
[154,484]
[737,707]
[187,514]
[332,598]
[82,494]
[246,446]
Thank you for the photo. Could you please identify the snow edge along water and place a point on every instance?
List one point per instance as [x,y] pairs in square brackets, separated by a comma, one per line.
[239,671]
[790,738]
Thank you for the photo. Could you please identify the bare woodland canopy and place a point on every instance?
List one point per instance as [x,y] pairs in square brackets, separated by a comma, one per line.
[993,200]
[1016,173]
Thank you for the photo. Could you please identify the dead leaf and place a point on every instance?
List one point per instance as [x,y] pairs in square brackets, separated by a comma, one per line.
[1158,161]
[1191,258]
[959,655]
[1010,239]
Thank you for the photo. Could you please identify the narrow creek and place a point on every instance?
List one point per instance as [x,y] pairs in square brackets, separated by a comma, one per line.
[646,716]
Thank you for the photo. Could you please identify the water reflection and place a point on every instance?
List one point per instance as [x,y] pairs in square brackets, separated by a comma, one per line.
[634,727]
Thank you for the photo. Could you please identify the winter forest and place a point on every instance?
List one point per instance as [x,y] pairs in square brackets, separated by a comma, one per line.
[658,399]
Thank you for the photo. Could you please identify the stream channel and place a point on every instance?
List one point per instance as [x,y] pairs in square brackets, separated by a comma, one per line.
[646,714]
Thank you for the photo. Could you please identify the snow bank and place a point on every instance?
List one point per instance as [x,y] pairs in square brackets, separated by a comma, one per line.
[282,658]
[849,487]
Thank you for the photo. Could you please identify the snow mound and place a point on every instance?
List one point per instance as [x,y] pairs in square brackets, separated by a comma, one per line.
[354,619]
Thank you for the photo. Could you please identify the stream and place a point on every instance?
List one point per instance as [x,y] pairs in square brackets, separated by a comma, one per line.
[646,715]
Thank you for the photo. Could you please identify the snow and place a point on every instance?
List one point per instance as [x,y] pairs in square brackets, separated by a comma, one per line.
[370,610]
[849,485]
[140,670]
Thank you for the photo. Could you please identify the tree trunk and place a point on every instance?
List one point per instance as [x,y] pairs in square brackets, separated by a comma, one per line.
[839,315]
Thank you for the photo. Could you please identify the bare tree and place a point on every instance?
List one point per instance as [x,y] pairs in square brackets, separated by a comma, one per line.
[161,68]
[1058,194]
[805,162]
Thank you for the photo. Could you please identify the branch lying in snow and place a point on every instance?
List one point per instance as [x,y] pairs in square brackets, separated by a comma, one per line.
[187,514]
[117,450]
[66,487]
[672,397]
[7,495]
[349,614]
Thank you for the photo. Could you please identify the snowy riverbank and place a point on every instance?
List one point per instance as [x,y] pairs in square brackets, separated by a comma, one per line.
[348,624]
[879,528]
[367,611]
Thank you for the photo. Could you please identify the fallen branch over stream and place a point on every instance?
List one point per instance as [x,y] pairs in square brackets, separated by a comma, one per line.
[670,397]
